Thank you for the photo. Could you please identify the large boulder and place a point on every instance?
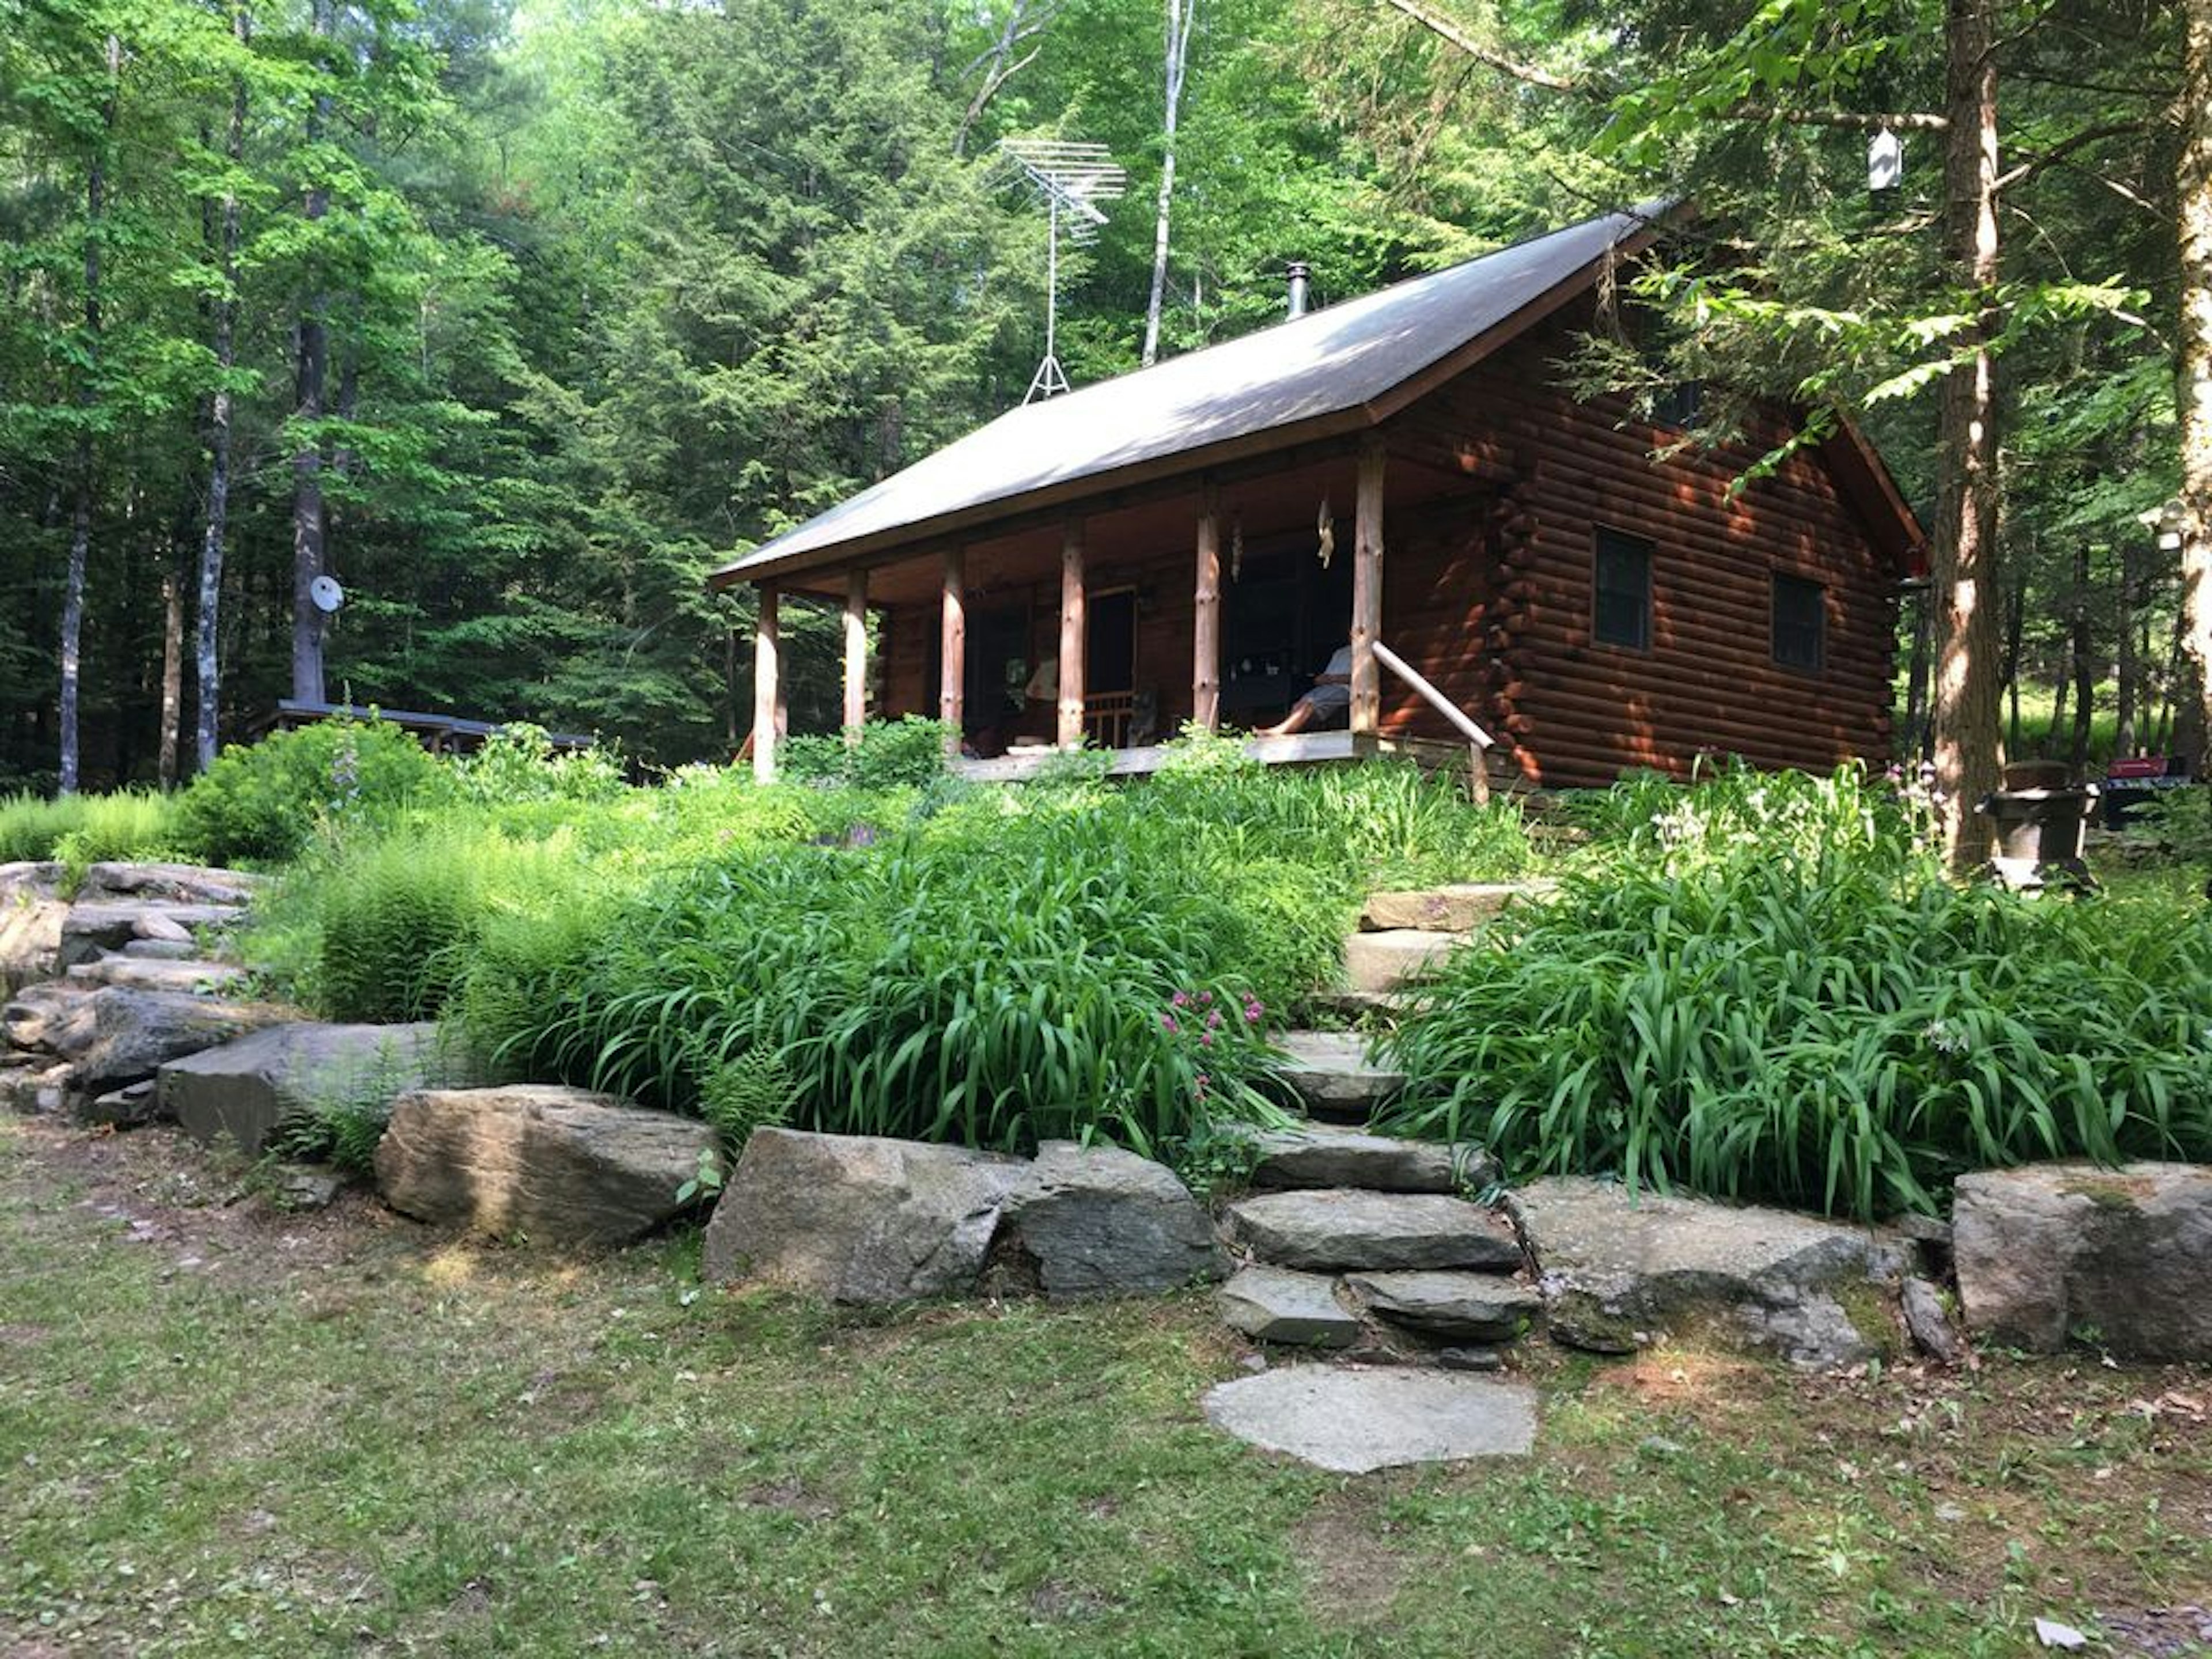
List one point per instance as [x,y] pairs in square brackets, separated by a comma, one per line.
[2122,1257]
[115,1036]
[32,910]
[560,1167]
[1098,1221]
[1616,1270]
[185,883]
[36,1015]
[244,1092]
[859,1219]
[93,928]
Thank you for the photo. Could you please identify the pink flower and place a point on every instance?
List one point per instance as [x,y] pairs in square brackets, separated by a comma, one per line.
[1205,997]
[1213,1020]
[1206,1039]
[1180,999]
[1168,1024]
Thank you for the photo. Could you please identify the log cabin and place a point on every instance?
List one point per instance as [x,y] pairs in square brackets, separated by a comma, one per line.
[1557,581]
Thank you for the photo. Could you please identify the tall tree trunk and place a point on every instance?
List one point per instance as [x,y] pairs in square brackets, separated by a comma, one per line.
[2015,622]
[172,667]
[2193,703]
[207,648]
[1969,757]
[308,453]
[2084,655]
[1916,680]
[2128,668]
[1180,14]
[95,211]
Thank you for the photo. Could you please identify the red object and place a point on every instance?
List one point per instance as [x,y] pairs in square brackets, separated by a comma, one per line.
[2141,766]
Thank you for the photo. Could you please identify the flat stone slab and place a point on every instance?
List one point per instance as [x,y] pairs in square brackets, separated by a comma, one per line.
[1399,957]
[1330,1074]
[1353,1419]
[1274,1304]
[1457,908]
[1467,1307]
[94,926]
[1322,1155]
[136,973]
[1346,1229]
[189,884]
[244,1092]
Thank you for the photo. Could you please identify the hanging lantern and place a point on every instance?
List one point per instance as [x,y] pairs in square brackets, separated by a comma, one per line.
[1885,160]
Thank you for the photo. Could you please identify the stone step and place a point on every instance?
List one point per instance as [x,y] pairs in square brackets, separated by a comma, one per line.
[1375,1008]
[191,884]
[142,974]
[1458,908]
[91,928]
[1455,1307]
[1322,1155]
[1331,1076]
[1394,958]
[1347,1230]
[1275,1304]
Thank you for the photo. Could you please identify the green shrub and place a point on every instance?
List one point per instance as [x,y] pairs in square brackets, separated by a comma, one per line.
[263,801]
[908,753]
[1821,1021]
[519,764]
[81,831]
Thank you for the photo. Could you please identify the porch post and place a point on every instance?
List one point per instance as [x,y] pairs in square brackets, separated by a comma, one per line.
[1367,591]
[1205,634]
[1071,635]
[856,650]
[952,653]
[764,686]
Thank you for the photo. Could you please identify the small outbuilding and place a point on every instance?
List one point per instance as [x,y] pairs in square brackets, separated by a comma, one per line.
[1406,475]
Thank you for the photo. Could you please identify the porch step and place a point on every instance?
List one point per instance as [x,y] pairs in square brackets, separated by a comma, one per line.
[1347,1230]
[1393,959]
[1321,1155]
[1331,1075]
[1457,908]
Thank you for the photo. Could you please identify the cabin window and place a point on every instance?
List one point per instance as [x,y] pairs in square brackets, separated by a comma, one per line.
[1620,611]
[1800,624]
[1680,405]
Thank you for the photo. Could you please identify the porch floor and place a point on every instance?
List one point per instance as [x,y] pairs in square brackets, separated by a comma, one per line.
[1300,748]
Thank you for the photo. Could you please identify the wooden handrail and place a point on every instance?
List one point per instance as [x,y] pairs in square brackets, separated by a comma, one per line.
[1436,699]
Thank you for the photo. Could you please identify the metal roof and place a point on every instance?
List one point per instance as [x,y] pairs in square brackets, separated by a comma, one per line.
[1323,370]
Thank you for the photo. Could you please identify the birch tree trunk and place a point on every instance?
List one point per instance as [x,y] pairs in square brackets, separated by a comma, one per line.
[207,664]
[1179,15]
[2193,699]
[95,211]
[314,356]
[1969,757]
[173,667]
[2129,668]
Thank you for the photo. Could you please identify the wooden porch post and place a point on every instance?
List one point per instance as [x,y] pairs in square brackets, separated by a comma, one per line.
[856,651]
[1367,591]
[952,654]
[1071,635]
[764,687]
[1205,635]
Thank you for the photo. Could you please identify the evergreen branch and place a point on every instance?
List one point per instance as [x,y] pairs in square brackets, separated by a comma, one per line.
[1531,74]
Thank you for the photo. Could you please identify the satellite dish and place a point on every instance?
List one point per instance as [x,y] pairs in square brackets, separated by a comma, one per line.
[326,595]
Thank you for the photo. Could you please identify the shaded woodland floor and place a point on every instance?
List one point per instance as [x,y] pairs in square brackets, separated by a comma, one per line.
[227,1429]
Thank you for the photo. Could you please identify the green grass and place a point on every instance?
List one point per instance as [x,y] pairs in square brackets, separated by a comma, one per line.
[83,830]
[366,1444]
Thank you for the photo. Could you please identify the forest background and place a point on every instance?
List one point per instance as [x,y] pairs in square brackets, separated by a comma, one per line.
[519,318]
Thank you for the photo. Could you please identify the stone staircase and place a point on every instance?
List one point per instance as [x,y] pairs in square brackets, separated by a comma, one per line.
[1368,1245]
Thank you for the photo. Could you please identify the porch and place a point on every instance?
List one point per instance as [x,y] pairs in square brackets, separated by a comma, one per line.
[1086,627]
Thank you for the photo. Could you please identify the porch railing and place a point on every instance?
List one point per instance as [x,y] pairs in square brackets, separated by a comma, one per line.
[1478,742]
[1106,718]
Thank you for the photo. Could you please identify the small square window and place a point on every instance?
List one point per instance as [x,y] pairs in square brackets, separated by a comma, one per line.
[1620,609]
[1800,623]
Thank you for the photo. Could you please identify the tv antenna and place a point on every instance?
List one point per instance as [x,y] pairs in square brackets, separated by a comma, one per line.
[1072,178]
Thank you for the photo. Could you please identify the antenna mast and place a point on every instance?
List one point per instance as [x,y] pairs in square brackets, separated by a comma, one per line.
[1070,177]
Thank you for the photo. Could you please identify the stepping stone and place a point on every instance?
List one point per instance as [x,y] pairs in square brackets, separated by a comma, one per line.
[1323,1154]
[163,950]
[91,927]
[141,974]
[1457,909]
[1466,1307]
[1386,961]
[1354,1420]
[1330,1072]
[1273,1304]
[1345,1230]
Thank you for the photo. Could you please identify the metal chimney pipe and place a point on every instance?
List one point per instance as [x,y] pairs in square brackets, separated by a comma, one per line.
[1298,274]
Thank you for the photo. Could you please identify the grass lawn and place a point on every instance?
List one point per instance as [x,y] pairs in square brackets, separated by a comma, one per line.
[228,1431]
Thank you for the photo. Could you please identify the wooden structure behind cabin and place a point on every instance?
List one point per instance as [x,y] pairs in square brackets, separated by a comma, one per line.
[1403,473]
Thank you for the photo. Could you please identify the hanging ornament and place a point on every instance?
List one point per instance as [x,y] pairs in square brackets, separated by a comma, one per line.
[1325,532]
[1885,162]
[1235,547]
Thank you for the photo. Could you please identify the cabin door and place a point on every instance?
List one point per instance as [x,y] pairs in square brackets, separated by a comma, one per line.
[1110,667]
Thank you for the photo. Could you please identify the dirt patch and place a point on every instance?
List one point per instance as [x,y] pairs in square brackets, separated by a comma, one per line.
[1054,1603]
[1352,1572]
[2160,1632]
[792,1497]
